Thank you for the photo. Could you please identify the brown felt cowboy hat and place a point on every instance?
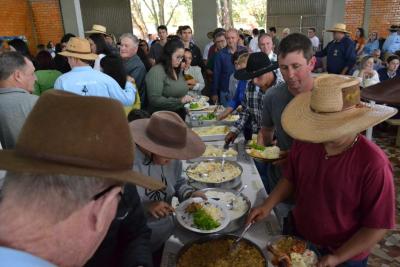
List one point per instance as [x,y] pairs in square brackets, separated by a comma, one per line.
[257,64]
[331,110]
[338,27]
[78,48]
[77,135]
[166,134]
[96,28]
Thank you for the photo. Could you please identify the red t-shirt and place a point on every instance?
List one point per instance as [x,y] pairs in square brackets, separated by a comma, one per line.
[337,196]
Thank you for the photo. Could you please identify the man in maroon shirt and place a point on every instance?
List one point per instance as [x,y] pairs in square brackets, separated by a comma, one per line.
[342,183]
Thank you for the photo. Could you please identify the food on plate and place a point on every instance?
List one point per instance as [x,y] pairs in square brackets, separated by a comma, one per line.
[212,130]
[213,151]
[194,105]
[212,172]
[216,253]
[207,117]
[239,204]
[289,251]
[258,151]
[205,215]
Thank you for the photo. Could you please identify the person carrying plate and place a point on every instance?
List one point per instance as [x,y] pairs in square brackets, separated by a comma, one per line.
[341,182]
[162,141]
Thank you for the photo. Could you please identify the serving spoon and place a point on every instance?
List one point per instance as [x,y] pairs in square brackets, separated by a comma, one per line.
[237,241]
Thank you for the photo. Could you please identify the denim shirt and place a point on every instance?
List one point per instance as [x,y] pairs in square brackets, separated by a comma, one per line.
[17,258]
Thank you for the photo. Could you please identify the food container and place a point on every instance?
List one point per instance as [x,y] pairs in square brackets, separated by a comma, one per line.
[196,121]
[213,237]
[238,223]
[229,184]
[209,109]
[232,158]
[219,135]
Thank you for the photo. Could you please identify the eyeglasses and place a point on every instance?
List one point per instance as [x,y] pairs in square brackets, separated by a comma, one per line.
[123,207]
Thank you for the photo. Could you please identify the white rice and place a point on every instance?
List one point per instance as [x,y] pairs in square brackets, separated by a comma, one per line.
[240,206]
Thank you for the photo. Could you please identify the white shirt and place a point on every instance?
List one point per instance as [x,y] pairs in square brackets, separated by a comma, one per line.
[206,49]
[97,63]
[253,45]
[365,82]
[272,56]
[315,41]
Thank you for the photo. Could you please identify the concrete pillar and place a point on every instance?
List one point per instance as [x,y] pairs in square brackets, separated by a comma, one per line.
[204,20]
[367,12]
[72,17]
[335,10]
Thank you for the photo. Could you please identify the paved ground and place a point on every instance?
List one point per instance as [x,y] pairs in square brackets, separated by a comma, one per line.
[387,252]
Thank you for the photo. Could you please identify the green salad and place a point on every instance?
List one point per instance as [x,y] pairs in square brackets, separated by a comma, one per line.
[207,117]
[204,221]
[257,147]
[194,105]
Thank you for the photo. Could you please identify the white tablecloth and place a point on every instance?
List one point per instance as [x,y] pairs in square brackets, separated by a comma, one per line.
[255,191]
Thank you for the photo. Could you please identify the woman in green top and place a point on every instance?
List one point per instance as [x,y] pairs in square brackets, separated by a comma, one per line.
[46,72]
[166,88]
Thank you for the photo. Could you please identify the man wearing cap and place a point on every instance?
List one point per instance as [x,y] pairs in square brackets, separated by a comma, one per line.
[84,80]
[340,53]
[61,193]
[341,183]
[392,42]
[17,79]
[260,70]
[223,68]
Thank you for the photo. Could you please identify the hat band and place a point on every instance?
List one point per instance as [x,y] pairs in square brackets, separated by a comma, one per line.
[260,70]
[78,52]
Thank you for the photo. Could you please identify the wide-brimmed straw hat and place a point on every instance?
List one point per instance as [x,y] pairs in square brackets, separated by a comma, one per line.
[338,27]
[96,28]
[76,135]
[257,64]
[331,110]
[166,134]
[78,48]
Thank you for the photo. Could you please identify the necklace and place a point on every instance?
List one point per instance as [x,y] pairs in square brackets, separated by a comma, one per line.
[347,148]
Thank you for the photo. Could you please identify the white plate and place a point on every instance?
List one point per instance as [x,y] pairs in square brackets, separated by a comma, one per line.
[186,219]
[204,106]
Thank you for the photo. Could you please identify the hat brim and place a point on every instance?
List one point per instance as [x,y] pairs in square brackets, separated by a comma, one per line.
[243,74]
[337,30]
[193,148]
[301,123]
[10,161]
[94,31]
[89,56]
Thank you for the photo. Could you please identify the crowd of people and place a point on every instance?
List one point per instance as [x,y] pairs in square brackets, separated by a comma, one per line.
[90,184]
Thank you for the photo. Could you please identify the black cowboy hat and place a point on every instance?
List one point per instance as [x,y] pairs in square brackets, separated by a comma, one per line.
[257,64]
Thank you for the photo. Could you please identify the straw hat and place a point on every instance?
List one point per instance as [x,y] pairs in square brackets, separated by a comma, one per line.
[78,48]
[338,27]
[77,135]
[167,135]
[98,29]
[332,110]
[257,64]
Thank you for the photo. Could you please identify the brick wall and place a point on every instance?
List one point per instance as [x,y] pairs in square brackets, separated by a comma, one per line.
[354,13]
[383,13]
[47,20]
[39,20]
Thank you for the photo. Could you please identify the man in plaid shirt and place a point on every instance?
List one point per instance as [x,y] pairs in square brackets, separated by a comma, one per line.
[261,72]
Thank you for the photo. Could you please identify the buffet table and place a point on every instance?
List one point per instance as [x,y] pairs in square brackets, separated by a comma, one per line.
[258,233]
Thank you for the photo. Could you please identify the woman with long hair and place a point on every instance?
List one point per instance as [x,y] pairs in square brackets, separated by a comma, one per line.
[98,46]
[166,88]
[366,73]
[360,41]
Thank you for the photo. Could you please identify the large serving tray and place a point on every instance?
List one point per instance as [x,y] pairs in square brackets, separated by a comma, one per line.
[230,184]
[232,158]
[212,137]
[194,120]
